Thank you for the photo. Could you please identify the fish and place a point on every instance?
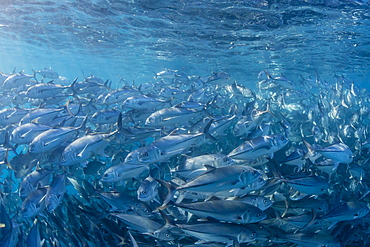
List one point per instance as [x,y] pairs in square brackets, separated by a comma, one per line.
[48,73]
[225,210]
[339,153]
[81,149]
[46,90]
[221,232]
[12,115]
[215,180]
[145,226]
[34,203]
[26,133]
[148,189]
[126,203]
[260,202]
[53,138]
[166,147]
[16,81]
[255,148]
[172,116]
[55,192]
[32,181]
[122,172]
[347,211]
[194,166]
[142,102]
[311,239]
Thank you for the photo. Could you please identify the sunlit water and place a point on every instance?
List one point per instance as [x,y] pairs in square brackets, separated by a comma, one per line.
[131,39]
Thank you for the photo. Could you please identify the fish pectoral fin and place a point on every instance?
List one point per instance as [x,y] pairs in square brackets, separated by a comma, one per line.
[169,118]
[25,134]
[82,151]
[49,142]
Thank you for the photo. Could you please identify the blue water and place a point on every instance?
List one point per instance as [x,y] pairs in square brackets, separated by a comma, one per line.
[131,39]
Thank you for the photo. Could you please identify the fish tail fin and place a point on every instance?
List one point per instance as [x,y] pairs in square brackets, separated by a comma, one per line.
[211,103]
[286,207]
[119,122]
[66,107]
[83,124]
[172,188]
[73,89]
[106,83]
[206,130]
[311,150]
[314,217]
[34,75]
[268,75]
[167,220]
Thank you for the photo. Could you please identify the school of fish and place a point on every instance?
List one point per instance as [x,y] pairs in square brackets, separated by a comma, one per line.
[183,161]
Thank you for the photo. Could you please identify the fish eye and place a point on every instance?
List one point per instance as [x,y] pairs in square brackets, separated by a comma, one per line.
[254,234]
[259,214]
[226,159]
[356,215]
[264,201]
[145,154]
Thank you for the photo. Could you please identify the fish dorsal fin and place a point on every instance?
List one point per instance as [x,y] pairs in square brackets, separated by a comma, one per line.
[209,168]
[214,198]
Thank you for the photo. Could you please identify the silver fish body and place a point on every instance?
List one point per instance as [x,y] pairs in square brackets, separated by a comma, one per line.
[55,192]
[225,210]
[257,147]
[25,133]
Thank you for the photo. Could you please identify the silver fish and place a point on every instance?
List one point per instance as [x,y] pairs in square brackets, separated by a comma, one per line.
[31,181]
[145,226]
[148,190]
[34,203]
[257,147]
[221,232]
[55,192]
[123,171]
[25,133]
[225,210]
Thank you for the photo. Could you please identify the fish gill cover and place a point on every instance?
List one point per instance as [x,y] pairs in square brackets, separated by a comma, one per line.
[258,134]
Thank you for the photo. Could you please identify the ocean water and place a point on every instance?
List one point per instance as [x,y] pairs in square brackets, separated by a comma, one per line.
[128,41]
[131,39]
